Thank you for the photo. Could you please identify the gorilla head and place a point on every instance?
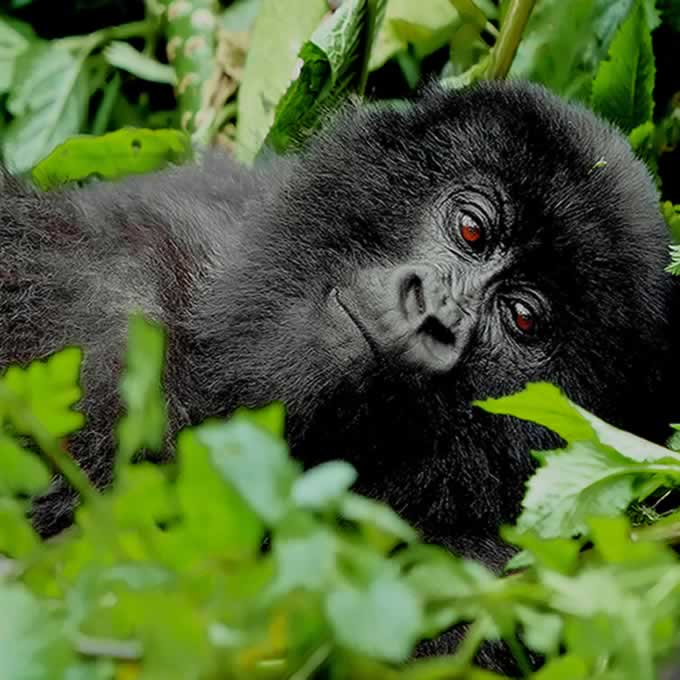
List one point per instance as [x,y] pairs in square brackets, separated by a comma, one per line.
[410,262]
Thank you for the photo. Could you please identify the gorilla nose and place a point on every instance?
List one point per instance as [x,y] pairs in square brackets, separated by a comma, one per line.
[430,325]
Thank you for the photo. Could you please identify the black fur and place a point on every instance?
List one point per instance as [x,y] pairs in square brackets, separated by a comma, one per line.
[242,268]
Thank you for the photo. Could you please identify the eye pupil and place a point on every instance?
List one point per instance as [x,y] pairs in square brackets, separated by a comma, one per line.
[470,230]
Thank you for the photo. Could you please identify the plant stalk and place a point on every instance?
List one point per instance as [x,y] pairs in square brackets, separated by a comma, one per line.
[512,28]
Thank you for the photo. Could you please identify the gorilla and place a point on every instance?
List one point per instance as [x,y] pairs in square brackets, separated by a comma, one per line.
[402,265]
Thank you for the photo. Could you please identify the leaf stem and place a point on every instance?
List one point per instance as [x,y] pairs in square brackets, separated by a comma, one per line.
[512,28]
[134,29]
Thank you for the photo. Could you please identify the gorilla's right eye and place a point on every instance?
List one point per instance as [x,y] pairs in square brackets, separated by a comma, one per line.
[470,230]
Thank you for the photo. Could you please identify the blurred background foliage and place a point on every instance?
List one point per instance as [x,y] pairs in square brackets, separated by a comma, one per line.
[248,73]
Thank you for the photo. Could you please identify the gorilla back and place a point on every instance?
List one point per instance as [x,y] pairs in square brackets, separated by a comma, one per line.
[403,265]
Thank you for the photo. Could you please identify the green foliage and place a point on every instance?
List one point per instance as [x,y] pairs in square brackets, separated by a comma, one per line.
[164,576]
[231,562]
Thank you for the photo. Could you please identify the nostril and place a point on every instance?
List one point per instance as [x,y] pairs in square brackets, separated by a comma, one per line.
[413,297]
[437,331]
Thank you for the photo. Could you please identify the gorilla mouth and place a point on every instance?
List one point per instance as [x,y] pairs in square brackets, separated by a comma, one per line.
[354,319]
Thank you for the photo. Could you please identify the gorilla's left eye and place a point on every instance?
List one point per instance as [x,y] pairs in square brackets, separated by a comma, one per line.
[470,230]
[523,317]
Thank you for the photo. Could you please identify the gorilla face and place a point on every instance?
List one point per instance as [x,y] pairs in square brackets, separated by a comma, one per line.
[411,262]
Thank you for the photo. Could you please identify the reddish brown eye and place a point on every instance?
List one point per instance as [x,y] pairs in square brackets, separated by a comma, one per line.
[524,319]
[470,230]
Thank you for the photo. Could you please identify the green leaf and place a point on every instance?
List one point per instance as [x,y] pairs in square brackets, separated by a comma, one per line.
[380,522]
[217,520]
[111,156]
[143,425]
[21,471]
[322,486]
[426,25]
[381,621]
[573,485]
[124,56]
[49,102]
[17,538]
[544,404]
[334,62]
[624,84]
[254,462]
[569,667]
[15,37]
[305,556]
[33,645]
[47,391]
[279,33]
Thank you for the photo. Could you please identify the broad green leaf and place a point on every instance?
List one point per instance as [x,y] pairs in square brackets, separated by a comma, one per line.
[217,520]
[544,404]
[558,59]
[322,486]
[382,621]
[33,644]
[49,103]
[558,554]
[143,425]
[426,25]
[624,84]
[573,485]
[334,62]
[15,37]
[21,471]
[111,156]
[124,56]
[47,391]
[255,462]
[279,33]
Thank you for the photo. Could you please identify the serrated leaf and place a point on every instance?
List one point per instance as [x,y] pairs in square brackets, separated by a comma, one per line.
[143,425]
[573,485]
[111,156]
[382,621]
[49,103]
[124,56]
[322,486]
[46,390]
[624,84]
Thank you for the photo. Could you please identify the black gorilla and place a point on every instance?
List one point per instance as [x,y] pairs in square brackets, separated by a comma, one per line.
[403,265]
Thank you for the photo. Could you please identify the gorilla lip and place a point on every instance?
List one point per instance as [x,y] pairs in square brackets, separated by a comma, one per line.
[356,322]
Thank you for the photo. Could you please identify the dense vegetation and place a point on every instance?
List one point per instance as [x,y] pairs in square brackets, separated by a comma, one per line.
[233,563]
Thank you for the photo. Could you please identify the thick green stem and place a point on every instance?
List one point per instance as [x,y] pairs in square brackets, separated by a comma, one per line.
[509,38]
[191,33]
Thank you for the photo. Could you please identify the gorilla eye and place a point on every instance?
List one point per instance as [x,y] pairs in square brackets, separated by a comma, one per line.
[470,230]
[523,317]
